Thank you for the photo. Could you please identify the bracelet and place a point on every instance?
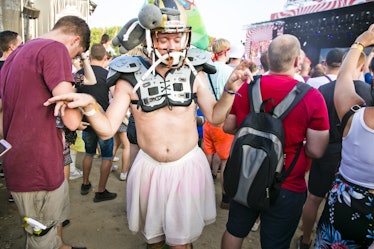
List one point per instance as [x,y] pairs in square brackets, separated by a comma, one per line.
[358,45]
[231,92]
[92,111]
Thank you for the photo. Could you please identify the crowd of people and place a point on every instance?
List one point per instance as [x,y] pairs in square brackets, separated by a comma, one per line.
[176,118]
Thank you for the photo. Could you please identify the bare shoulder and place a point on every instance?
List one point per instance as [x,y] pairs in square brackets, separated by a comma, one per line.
[123,87]
[369,117]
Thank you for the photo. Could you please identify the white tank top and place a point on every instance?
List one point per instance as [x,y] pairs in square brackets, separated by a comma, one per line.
[357,165]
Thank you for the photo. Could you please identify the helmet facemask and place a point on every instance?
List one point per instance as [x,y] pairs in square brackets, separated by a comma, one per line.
[173,58]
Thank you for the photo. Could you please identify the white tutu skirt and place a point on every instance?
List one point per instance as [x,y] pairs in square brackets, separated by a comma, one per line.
[170,201]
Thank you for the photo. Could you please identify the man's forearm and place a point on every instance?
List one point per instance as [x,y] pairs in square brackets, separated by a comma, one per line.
[222,108]
[98,121]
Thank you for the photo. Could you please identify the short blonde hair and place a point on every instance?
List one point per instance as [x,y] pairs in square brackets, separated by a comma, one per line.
[137,51]
[220,45]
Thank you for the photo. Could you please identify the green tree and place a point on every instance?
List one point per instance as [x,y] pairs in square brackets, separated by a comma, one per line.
[96,34]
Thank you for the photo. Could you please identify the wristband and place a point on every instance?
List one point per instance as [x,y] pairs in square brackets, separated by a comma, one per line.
[92,111]
[231,92]
[358,45]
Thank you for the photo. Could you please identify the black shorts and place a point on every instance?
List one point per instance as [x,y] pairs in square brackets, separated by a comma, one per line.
[323,170]
[131,130]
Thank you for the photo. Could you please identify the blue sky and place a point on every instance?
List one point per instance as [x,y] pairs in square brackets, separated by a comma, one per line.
[222,18]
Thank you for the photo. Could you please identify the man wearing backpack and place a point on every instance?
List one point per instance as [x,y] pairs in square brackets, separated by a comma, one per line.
[307,121]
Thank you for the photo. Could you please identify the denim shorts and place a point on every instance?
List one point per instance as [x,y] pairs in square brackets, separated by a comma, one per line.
[90,144]
[122,128]
[278,223]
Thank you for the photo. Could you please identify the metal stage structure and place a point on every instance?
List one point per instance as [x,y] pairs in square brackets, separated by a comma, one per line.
[319,25]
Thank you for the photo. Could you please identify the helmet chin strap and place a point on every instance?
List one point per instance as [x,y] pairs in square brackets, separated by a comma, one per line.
[160,60]
[150,70]
[174,59]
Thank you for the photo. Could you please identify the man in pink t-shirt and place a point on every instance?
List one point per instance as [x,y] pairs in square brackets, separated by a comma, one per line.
[307,121]
[34,167]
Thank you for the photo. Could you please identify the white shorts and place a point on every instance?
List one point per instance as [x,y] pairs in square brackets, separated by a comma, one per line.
[170,201]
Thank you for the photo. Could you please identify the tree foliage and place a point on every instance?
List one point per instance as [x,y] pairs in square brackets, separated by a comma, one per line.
[96,34]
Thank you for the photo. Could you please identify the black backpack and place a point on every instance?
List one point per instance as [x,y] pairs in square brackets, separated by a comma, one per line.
[254,170]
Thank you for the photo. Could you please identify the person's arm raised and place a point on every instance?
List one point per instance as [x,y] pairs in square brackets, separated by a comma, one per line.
[345,95]
[89,75]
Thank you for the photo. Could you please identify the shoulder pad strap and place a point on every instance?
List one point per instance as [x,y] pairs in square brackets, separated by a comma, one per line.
[125,64]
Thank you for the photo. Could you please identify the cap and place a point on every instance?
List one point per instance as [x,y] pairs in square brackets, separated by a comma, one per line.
[237,50]
[334,57]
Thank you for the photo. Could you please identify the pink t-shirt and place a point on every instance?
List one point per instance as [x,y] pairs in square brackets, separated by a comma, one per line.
[29,75]
[310,112]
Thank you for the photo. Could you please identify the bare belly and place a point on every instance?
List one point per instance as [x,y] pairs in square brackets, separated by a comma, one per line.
[168,152]
[167,135]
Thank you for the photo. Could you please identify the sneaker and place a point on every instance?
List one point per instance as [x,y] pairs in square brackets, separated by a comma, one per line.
[115,159]
[302,245]
[1,173]
[10,198]
[123,176]
[85,188]
[104,196]
[75,174]
[255,226]
[114,167]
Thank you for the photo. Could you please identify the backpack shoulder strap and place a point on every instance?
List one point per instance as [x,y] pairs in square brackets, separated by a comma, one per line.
[254,94]
[284,174]
[347,115]
[211,85]
[291,100]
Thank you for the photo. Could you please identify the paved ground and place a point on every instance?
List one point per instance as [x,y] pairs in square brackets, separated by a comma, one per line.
[104,225]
